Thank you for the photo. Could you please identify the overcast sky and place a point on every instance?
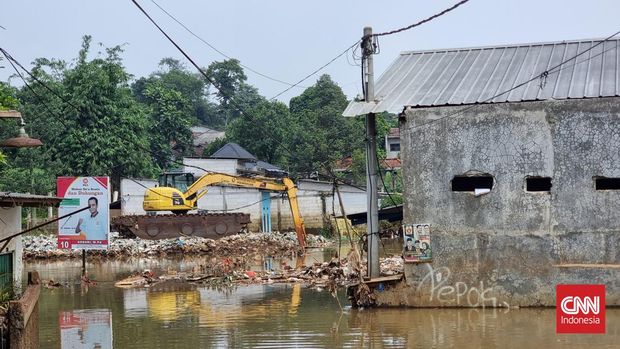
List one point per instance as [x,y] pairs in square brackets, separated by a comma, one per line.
[288,39]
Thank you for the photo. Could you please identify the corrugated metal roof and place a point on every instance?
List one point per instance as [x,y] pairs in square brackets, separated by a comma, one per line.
[8,199]
[482,74]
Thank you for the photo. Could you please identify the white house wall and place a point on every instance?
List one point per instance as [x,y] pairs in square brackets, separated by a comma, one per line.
[132,195]
[10,223]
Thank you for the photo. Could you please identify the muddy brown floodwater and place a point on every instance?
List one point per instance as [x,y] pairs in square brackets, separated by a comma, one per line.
[270,316]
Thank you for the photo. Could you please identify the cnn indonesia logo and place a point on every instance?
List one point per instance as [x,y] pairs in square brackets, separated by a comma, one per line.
[580,308]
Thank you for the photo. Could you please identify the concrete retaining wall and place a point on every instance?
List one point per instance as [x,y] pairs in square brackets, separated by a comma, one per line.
[24,316]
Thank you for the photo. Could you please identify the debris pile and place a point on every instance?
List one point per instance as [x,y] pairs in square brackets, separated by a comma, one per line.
[233,271]
[273,244]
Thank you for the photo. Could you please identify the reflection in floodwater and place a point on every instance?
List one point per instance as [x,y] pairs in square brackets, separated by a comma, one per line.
[86,329]
[214,308]
[178,315]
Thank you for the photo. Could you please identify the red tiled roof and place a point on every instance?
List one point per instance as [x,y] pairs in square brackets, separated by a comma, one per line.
[344,163]
[394,132]
[391,163]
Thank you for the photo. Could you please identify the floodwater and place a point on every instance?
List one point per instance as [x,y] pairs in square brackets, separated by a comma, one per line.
[270,316]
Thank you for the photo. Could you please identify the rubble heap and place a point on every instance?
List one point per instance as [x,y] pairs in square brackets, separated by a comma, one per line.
[274,244]
[327,275]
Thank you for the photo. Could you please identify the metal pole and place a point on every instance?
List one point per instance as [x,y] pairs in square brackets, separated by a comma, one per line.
[83,262]
[372,214]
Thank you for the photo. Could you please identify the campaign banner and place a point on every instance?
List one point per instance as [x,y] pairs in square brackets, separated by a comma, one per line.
[85,328]
[88,229]
[417,243]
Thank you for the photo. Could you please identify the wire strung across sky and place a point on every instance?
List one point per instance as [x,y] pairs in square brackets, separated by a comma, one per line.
[219,51]
[232,101]
[374,35]
[422,21]
[317,70]
[12,60]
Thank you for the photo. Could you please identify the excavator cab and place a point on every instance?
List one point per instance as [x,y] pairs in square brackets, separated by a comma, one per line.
[169,195]
[178,180]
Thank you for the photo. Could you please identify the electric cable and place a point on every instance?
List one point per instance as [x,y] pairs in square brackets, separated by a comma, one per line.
[315,71]
[422,21]
[189,59]
[219,51]
[77,109]
[203,73]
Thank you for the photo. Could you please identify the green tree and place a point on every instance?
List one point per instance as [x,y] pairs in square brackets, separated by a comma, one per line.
[233,94]
[173,75]
[169,123]
[319,134]
[261,131]
[97,127]
[7,102]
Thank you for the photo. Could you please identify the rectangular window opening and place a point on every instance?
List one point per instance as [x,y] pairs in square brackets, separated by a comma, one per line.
[538,184]
[395,147]
[606,183]
[471,183]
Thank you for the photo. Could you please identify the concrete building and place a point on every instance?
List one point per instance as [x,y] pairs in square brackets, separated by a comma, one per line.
[392,143]
[511,154]
[11,266]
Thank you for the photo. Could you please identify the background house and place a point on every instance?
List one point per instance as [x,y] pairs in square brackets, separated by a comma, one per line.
[536,130]
[11,265]
[316,199]
[392,143]
[203,136]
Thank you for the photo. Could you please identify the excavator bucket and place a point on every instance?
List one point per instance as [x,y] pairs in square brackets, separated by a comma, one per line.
[170,226]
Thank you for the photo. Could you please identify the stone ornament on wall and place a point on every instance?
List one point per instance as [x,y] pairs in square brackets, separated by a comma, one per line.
[417,243]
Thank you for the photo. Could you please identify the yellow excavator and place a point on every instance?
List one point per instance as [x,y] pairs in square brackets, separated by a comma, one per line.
[179,193]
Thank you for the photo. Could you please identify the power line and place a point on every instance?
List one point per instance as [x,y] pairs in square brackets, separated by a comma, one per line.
[219,51]
[232,101]
[422,21]
[317,70]
[543,75]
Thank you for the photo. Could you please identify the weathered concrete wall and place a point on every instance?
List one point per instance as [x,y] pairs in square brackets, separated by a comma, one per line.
[24,316]
[511,247]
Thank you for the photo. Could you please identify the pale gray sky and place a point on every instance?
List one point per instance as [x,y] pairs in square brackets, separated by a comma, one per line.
[288,39]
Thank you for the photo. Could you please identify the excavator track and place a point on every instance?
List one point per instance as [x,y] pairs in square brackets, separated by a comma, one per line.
[170,226]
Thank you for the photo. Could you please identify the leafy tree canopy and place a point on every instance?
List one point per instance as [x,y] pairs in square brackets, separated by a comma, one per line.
[97,127]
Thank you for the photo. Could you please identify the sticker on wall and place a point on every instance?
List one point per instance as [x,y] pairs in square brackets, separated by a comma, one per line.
[417,243]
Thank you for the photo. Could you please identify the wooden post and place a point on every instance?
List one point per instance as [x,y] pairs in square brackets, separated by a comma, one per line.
[83,262]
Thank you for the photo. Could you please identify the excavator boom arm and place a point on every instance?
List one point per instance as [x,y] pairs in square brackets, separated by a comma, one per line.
[198,189]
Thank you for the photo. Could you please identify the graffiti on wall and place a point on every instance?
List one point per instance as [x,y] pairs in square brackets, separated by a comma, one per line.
[441,289]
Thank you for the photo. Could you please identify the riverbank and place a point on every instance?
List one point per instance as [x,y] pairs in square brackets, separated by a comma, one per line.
[271,244]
